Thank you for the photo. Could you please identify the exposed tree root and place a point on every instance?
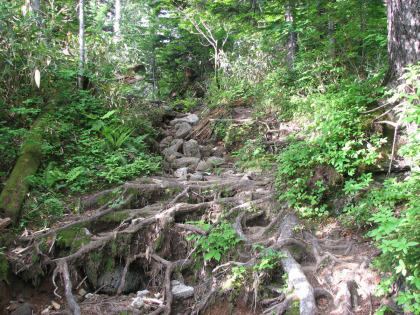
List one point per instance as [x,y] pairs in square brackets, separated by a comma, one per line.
[145,226]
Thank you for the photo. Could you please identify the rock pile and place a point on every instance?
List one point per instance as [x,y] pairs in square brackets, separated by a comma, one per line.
[187,158]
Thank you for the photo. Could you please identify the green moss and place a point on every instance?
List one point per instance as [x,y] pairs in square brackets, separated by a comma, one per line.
[231,307]
[294,308]
[107,197]
[159,241]
[91,273]
[109,264]
[34,258]
[114,249]
[66,237]
[81,241]
[3,268]
[115,217]
[172,191]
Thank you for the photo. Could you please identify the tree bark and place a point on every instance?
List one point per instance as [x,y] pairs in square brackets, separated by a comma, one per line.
[292,46]
[403,37]
[13,194]
[117,30]
[82,80]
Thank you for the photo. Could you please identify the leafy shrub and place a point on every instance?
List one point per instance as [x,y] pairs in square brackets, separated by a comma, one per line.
[332,141]
[220,239]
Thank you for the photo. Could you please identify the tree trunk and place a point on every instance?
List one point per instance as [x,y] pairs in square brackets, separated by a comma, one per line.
[117,31]
[82,80]
[13,194]
[403,37]
[292,46]
[331,38]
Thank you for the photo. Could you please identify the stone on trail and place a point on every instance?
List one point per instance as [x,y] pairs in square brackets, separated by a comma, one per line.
[166,142]
[183,130]
[216,161]
[190,119]
[182,173]
[203,166]
[176,144]
[197,177]
[171,155]
[142,293]
[190,162]
[110,281]
[137,302]
[192,149]
[181,291]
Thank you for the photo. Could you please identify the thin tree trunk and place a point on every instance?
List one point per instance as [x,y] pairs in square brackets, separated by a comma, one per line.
[81,83]
[117,30]
[292,46]
[331,38]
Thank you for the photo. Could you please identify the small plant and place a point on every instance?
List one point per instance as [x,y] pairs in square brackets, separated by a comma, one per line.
[220,239]
[270,260]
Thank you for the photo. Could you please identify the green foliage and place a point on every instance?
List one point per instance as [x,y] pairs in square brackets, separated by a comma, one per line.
[253,156]
[332,142]
[270,260]
[397,211]
[219,241]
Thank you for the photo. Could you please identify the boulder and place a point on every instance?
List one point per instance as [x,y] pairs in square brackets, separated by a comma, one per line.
[197,177]
[109,281]
[180,290]
[183,130]
[176,144]
[137,302]
[216,161]
[190,119]
[166,142]
[171,155]
[203,166]
[205,151]
[191,149]
[190,162]
[25,309]
[182,173]
[218,151]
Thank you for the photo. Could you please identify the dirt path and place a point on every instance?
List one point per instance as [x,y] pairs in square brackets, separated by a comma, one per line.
[139,248]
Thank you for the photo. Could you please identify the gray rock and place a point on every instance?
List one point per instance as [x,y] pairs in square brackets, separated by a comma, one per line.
[191,149]
[142,293]
[216,161]
[203,166]
[197,176]
[183,130]
[166,165]
[181,291]
[190,162]
[176,144]
[205,151]
[138,302]
[190,119]
[25,309]
[166,142]
[182,173]
[218,151]
[110,280]
[168,153]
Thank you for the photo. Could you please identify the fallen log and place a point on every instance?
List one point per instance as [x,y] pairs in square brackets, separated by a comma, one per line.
[13,194]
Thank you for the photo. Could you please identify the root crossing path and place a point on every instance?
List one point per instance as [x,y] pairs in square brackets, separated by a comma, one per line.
[204,239]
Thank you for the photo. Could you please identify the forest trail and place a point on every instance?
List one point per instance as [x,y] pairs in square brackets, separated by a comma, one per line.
[138,248]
